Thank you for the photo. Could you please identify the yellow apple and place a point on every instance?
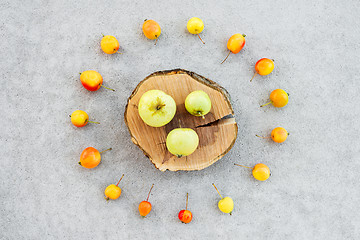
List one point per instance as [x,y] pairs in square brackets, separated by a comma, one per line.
[198,103]
[182,141]
[156,108]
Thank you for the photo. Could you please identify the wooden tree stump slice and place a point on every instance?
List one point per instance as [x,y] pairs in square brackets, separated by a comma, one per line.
[217,132]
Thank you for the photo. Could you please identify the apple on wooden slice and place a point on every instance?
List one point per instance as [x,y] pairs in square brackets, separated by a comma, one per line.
[182,141]
[156,108]
[198,103]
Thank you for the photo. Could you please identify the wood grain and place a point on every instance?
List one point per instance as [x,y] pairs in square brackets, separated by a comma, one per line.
[217,132]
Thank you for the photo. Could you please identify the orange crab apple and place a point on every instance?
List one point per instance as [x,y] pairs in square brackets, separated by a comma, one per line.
[278,135]
[80,118]
[151,29]
[113,191]
[263,67]
[91,157]
[235,43]
[109,44]
[279,98]
[185,215]
[260,171]
[145,206]
[92,80]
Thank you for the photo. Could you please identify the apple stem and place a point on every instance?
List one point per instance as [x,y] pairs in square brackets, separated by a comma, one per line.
[217,190]
[242,166]
[203,117]
[149,192]
[263,137]
[102,34]
[107,88]
[158,107]
[265,104]
[93,122]
[156,40]
[187,199]
[120,180]
[226,58]
[80,73]
[253,76]
[200,39]
[106,150]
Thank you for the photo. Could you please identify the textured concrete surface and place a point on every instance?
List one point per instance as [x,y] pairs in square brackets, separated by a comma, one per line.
[313,192]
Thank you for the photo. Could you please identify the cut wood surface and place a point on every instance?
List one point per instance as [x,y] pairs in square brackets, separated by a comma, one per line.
[217,132]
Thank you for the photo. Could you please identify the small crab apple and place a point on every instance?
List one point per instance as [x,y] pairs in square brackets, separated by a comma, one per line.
[278,135]
[109,44]
[145,206]
[91,157]
[235,43]
[80,118]
[113,191]
[279,98]
[151,29]
[185,215]
[260,171]
[195,26]
[263,67]
[92,80]
[226,204]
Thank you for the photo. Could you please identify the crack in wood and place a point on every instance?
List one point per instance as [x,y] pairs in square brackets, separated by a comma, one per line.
[228,119]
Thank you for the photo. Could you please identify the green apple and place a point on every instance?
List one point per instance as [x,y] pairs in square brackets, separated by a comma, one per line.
[198,103]
[182,141]
[156,108]
[226,205]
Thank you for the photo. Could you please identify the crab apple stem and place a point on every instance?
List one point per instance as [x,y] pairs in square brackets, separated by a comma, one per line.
[107,88]
[226,58]
[242,166]
[200,39]
[106,150]
[187,199]
[203,117]
[253,76]
[156,41]
[217,190]
[93,122]
[120,180]
[265,104]
[149,192]
[102,34]
[262,136]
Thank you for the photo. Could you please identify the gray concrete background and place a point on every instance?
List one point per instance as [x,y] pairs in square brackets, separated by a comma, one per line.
[313,192]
